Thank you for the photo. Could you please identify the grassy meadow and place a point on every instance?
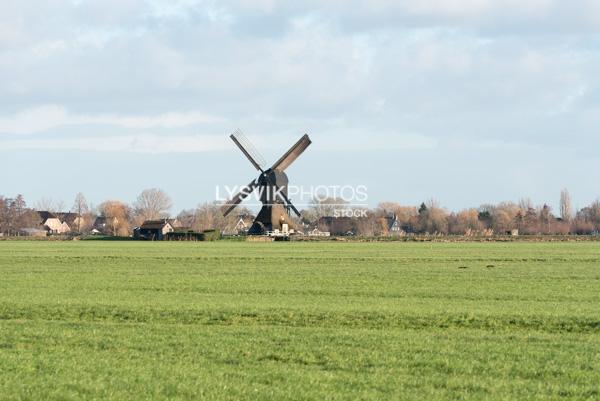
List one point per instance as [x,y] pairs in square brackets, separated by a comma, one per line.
[94,320]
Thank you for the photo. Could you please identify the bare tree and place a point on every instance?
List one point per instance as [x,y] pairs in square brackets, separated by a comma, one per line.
[546,218]
[208,216]
[14,214]
[152,204]
[60,206]
[117,216]
[590,215]
[369,226]
[433,219]
[530,222]
[44,204]
[505,217]
[525,204]
[50,205]
[80,207]
[323,208]
[3,215]
[566,209]
[389,207]
[187,217]
[465,222]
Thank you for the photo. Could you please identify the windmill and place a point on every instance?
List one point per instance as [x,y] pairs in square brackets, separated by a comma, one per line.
[272,184]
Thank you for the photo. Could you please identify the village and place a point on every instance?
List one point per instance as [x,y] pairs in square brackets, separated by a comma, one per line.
[68,224]
[148,218]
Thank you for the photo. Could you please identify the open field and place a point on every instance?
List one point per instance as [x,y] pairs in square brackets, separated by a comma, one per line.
[320,321]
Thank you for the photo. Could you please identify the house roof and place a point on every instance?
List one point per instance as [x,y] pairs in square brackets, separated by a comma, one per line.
[246,220]
[154,224]
[45,215]
[68,217]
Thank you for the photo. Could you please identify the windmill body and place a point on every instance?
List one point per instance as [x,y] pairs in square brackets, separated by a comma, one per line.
[274,213]
[272,184]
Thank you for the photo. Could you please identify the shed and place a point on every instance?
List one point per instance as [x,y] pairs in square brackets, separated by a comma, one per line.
[154,230]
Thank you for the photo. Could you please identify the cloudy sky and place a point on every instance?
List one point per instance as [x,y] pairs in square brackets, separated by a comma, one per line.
[467,101]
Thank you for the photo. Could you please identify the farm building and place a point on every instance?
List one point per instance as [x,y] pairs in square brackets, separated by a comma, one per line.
[47,222]
[154,230]
[52,224]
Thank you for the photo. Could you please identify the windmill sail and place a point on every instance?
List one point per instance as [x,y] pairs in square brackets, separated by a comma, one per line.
[240,196]
[257,160]
[292,154]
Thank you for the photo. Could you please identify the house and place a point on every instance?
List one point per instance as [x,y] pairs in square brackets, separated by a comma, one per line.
[394,226]
[154,230]
[73,220]
[106,226]
[243,224]
[67,217]
[99,225]
[43,221]
[52,223]
[175,223]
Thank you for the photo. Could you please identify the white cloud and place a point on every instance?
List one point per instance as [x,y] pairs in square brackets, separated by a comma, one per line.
[356,141]
[47,117]
[34,120]
[139,143]
[475,8]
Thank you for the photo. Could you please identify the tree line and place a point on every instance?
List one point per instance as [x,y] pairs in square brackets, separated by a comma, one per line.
[503,218]
[119,218]
[520,217]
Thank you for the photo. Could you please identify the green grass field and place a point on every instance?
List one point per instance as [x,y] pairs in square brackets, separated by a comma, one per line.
[302,321]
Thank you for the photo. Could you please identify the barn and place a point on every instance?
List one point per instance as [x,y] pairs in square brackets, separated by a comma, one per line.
[154,230]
